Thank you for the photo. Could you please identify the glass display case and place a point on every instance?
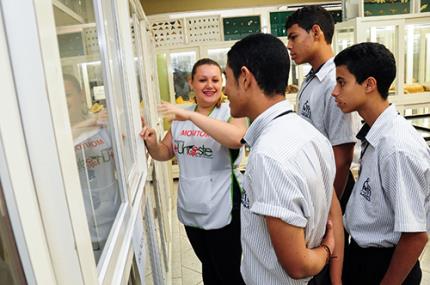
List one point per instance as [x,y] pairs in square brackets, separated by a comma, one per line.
[406,36]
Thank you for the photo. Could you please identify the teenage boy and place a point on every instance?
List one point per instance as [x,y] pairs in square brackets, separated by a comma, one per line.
[388,214]
[290,172]
[310,31]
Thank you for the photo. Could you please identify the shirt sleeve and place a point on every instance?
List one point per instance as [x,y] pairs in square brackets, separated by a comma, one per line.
[341,128]
[405,182]
[276,191]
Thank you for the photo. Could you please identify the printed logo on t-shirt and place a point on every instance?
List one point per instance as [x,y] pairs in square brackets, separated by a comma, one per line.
[194,133]
[306,110]
[95,154]
[366,191]
[202,151]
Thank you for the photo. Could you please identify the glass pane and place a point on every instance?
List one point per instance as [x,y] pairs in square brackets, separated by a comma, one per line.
[11,271]
[86,101]
[219,55]
[417,70]
[76,6]
[137,43]
[387,36]
[344,39]
[182,64]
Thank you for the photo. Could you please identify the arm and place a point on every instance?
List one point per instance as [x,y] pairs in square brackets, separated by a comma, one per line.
[92,121]
[228,134]
[343,157]
[158,150]
[336,263]
[405,256]
[290,247]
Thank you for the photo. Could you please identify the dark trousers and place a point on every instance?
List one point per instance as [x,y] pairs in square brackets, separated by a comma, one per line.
[220,252]
[369,265]
[322,278]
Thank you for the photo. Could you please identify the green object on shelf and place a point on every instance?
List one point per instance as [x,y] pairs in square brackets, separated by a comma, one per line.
[277,23]
[236,28]
[391,7]
[425,6]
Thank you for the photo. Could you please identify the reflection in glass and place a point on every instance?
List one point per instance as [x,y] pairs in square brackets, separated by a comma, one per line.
[137,41]
[91,130]
[387,36]
[417,57]
[344,39]
[219,55]
[11,271]
[182,64]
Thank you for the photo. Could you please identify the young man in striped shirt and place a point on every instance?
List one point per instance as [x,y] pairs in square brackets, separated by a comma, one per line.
[288,183]
[388,213]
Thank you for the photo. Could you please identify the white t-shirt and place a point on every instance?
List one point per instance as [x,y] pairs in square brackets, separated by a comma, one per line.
[96,168]
[289,176]
[206,171]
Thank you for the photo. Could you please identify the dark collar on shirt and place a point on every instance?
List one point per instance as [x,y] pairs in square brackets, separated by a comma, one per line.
[363,132]
[313,73]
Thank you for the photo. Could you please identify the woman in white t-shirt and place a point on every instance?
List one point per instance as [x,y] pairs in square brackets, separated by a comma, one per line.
[206,142]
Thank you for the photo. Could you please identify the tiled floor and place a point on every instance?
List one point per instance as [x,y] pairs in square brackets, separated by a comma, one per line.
[187,268]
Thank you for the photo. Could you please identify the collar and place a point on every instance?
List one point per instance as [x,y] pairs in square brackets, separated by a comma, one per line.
[260,123]
[322,71]
[375,133]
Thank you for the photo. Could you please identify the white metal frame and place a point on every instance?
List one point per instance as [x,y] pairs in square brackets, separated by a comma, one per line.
[17,182]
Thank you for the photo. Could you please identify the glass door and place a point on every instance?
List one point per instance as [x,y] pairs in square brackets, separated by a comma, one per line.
[84,88]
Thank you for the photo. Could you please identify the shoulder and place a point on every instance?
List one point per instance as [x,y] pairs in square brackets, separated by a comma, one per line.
[288,135]
[400,137]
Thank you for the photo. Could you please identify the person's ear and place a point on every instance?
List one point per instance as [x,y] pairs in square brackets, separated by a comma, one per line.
[316,32]
[245,77]
[370,84]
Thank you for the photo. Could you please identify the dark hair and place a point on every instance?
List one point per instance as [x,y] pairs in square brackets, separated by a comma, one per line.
[366,60]
[311,15]
[203,61]
[266,57]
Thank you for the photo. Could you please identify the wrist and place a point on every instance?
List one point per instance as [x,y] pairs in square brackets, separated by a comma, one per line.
[327,252]
[190,115]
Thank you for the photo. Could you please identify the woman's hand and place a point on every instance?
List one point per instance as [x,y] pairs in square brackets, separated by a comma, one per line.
[149,136]
[173,112]
[102,118]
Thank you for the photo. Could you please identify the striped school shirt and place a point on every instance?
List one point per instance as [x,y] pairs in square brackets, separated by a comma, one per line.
[289,175]
[392,193]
